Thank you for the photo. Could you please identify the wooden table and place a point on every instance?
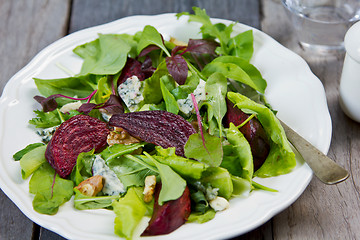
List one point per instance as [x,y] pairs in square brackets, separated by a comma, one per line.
[322,212]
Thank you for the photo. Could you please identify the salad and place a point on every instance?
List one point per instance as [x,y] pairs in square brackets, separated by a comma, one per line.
[154,127]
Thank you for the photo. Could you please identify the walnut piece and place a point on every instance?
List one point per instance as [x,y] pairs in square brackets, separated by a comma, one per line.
[120,136]
[150,183]
[91,186]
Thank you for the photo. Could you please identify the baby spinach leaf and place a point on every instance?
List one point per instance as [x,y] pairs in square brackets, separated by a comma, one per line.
[110,57]
[250,70]
[183,91]
[81,86]
[89,49]
[212,155]
[281,158]
[150,36]
[32,160]
[50,193]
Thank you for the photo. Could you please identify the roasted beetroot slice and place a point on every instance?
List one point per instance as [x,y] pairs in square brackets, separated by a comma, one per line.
[170,216]
[80,133]
[253,132]
[161,128]
[131,68]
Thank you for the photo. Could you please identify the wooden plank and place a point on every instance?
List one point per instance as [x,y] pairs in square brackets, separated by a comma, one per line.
[83,14]
[322,212]
[25,28]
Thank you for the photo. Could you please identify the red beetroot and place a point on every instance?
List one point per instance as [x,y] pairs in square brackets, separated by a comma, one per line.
[170,216]
[80,133]
[131,68]
[161,128]
[253,132]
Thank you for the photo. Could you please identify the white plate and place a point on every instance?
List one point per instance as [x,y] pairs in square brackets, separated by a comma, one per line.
[292,89]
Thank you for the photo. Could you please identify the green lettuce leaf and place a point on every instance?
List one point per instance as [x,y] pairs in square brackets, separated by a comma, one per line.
[241,186]
[281,158]
[220,178]
[32,160]
[129,211]
[201,217]
[242,163]
[19,154]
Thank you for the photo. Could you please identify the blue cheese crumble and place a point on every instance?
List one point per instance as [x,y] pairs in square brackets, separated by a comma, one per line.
[186,105]
[112,184]
[46,133]
[130,92]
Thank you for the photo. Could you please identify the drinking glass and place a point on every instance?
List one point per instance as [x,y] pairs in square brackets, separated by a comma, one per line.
[320,25]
